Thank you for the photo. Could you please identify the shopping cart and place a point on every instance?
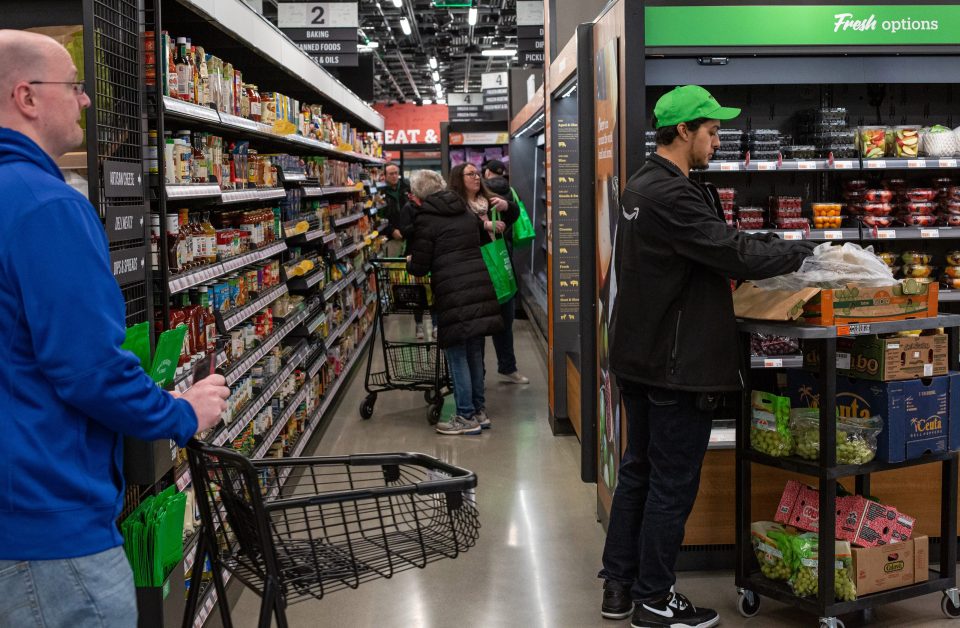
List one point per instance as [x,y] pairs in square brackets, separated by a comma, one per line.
[418,365]
[301,528]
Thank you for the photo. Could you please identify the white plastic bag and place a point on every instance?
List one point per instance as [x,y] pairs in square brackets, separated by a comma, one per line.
[835,267]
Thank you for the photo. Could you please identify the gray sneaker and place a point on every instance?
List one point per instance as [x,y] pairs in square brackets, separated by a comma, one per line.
[482,418]
[458,426]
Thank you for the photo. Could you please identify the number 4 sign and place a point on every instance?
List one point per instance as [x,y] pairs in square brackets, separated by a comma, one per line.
[318,15]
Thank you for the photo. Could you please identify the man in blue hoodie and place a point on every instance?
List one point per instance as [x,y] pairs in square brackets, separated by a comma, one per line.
[68,392]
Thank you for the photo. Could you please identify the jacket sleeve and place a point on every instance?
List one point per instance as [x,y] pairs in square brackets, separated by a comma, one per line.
[405,220]
[699,234]
[421,247]
[512,213]
[77,323]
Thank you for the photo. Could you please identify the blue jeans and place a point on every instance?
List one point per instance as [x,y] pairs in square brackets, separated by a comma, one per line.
[94,591]
[503,342]
[667,437]
[465,362]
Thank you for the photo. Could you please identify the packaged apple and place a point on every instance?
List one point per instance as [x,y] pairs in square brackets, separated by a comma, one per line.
[906,141]
[918,220]
[878,196]
[766,538]
[881,222]
[921,194]
[804,559]
[923,208]
[877,209]
[951,206]
[856,437]
[872,141]
[770,424]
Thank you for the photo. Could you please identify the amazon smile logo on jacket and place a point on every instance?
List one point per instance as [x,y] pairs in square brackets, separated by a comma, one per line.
[631,215]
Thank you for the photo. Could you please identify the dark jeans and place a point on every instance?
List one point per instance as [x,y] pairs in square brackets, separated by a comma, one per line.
[465,362]
[503,342]
[667,437]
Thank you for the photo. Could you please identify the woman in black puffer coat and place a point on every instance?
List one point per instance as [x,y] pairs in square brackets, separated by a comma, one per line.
[446,244]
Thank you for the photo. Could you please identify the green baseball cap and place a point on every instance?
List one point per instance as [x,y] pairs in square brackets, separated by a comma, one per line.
[690,102]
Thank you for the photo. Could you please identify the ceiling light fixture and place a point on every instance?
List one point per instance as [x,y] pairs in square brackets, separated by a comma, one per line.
[502,52]
[441,101]
[405,25]
[427,101]
[433,63]
[373,44]
[472,16]
[435,76]
[398,3]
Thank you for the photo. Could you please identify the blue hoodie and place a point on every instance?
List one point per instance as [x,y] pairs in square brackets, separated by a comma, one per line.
[68,392]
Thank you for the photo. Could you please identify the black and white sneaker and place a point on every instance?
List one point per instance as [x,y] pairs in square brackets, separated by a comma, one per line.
[616,600]
[672,611]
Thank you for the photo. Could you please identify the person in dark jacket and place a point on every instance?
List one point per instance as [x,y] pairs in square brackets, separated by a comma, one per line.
[673,349]
[395,195]
[446,244]
[423,183]
[495,178]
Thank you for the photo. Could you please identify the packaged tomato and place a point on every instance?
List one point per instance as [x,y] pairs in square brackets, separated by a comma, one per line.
[877,209]
[877,221]
[921,194]
[878,196]
[955,192]
[918,220]
[825,209]
[952,206]
[952,220]
[924,208]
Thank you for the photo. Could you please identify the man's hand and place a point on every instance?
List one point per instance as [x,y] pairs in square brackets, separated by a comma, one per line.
[498,203]
[208,399]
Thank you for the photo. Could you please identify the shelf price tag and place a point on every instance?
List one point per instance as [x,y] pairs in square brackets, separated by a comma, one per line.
[929,233]
[886,234]
[806,165]
[843,165]
[729,167]
[948,163]
[876,164]
[772,363]
[792,235]
[916,163]
[833,235]
[764,166]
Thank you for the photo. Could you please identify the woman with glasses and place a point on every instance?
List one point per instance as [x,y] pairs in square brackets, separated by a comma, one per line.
[449,230]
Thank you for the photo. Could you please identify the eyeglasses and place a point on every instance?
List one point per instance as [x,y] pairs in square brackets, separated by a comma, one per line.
[475,175]
[78,86]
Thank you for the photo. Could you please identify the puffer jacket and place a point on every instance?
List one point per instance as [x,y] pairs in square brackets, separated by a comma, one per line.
[446,244]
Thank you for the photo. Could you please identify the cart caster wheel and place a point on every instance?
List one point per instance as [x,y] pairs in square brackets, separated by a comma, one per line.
[435,412]
[431,396]
[949,608]
[748,603]
[366,407]
[833,622]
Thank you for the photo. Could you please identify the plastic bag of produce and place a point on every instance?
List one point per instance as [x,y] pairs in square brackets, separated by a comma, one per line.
[856,437]
[767,538]
[803,555]
[770,424]
[835,267]
[938,141]
[765,345]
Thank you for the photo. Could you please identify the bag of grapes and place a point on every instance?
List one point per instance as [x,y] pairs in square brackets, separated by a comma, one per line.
[768,538]
[856,437]
[804,583]
[770,424]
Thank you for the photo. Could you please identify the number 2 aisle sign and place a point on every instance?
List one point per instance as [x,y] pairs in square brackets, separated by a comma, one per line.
[327,31]
[318,15]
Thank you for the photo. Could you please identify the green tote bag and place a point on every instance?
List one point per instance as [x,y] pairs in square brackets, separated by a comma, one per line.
[497,259]
[523,232]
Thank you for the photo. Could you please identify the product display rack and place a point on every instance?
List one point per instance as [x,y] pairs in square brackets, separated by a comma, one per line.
[749,581]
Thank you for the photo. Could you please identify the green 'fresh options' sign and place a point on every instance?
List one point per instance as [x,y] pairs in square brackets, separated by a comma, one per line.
[823,25]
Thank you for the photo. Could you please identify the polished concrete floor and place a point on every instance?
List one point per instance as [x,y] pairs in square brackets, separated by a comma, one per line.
[536,561]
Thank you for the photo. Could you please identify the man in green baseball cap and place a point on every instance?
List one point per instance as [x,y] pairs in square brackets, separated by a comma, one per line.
[674,351]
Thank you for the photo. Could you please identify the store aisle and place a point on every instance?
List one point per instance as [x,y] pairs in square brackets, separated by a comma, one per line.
[536,561]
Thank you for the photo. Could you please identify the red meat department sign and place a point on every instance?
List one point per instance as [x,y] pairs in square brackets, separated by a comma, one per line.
[410,124]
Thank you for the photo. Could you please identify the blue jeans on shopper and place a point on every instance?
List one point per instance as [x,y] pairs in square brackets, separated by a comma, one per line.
[503,342]
[667,438]
[94,591]
[465,362]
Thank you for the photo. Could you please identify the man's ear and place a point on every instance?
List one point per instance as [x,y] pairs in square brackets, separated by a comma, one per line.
[683,131]
[24,99]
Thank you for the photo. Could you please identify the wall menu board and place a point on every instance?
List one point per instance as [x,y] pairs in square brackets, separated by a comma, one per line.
[327,31]
[566,250]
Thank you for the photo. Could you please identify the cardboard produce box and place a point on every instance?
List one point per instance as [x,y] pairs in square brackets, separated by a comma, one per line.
[906,299]
[891,566]
[887,359]
[916,413]
[863,522]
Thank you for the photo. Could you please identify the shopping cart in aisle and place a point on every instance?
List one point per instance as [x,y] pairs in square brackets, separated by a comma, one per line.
[407,365]
[298,529]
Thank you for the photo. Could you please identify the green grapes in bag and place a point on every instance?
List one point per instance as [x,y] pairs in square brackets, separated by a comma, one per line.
[804,580]
[767,538]
[770,424]
[856,437]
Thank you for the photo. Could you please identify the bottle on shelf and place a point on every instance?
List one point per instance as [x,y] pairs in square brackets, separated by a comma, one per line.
[184,78]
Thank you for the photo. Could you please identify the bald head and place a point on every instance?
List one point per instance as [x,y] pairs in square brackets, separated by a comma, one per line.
[39,93]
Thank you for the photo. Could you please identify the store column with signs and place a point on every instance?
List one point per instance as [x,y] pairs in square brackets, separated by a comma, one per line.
[496,95]
[327,31]
[530,32]
[466,107]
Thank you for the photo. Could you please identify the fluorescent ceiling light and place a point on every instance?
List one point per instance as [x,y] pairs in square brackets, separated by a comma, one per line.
[405,25]
[441,101]
[499,53]
[433,63]
[435,76]
[398,3]
[373,44]
[427,101]
[472,16]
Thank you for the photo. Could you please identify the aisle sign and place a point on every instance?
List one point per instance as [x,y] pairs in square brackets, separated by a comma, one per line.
[319,48]
[466,107]
[326,31]
[344,60]
[529,13]
[496,95]
[122,179]
[129,265]
[318,15]
[124,222]
[530,32]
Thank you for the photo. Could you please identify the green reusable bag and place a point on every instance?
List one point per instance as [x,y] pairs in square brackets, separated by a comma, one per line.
[138,343]
[497,259]
[168,354]
[523,232]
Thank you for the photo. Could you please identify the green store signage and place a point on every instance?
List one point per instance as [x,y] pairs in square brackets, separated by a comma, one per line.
[823,25]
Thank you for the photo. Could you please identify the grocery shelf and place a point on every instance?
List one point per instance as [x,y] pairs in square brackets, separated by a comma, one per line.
[252,357]
[192,191]
[280,422]
[183,384]
[335,334]
[294,177]
[316,322]
[345,250]
[776,362]
[231,431]
[346,220]
[825,235]
[334,288]
[236,316]
[183,281]
[949,296]
[910,233]
[255,195]
[812,467]
[307,281]
[799,330]
[828,165]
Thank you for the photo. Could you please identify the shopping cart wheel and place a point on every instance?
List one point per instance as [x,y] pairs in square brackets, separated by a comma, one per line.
[366,407]
[435,411]
[748,603]
[431,396]
[949,608]
[831,622]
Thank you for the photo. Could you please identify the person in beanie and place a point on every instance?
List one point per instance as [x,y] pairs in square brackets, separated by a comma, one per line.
[674,350]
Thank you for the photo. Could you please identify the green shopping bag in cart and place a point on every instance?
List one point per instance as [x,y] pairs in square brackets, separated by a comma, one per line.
[523,232]
[497,258]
